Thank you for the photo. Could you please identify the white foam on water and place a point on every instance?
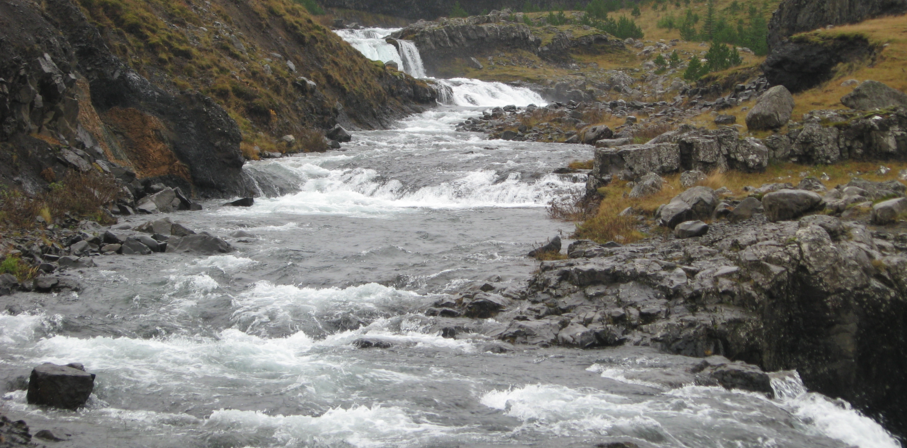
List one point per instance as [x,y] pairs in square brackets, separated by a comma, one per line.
[225,263]
[26,328]
[474,93]
[410,339]
[568,412]
[267,304]
[834,418]
[360,426]
[361,192]
[620,374]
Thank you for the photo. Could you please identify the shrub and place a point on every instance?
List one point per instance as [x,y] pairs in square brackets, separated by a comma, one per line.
[18,268]
[458,11]
[314,8]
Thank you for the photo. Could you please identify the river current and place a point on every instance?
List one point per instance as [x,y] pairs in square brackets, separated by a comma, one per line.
[255,348]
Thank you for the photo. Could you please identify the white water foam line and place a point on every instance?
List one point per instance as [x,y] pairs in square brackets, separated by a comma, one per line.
[475,93]
[834,418]
[363,192]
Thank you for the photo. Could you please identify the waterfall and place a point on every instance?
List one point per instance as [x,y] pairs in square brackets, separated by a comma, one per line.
[371,42]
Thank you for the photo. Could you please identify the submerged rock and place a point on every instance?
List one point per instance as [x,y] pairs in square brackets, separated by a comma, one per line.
[198,243]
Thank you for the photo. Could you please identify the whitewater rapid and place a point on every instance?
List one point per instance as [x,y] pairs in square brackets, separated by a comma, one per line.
[258,348]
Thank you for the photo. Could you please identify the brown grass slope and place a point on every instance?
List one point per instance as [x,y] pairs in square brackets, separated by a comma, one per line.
[248,55]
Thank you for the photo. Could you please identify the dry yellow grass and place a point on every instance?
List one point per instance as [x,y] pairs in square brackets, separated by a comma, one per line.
[607,225]
[890,66]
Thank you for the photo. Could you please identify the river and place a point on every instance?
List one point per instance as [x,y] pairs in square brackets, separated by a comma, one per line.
[256,348]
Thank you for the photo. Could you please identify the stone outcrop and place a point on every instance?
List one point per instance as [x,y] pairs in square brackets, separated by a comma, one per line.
[65,387]
[819,295]
[796,16]
[466,39]
[803,63]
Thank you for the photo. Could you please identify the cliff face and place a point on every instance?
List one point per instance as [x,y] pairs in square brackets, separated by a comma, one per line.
[171,91]
[797,16]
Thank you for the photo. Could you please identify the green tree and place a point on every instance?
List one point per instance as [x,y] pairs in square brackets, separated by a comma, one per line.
[708,25]
[661,61]
[314,8]
[636,12]
[695,70]
[458,11]
[597,9]
[674,59]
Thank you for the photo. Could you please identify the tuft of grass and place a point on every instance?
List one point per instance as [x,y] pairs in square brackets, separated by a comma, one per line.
[551,256]
[20,269]
[82,195]
[581,165]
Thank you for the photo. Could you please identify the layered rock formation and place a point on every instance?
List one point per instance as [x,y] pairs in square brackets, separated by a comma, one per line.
[797,16]
[433,9]
[70,100]
[443,43]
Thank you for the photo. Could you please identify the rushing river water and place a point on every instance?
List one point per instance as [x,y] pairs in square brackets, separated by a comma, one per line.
[255,348]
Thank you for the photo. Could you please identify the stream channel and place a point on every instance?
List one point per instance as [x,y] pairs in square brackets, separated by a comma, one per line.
[255,348]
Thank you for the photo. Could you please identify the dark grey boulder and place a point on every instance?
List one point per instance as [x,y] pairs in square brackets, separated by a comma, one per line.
[553,246]
[337,133]
[180,230]
[65,387]
[486,305]
[697,203]
[150,242]
[773,110]
[8,284]
[577,335]
[79,248]
[371,343]
[725,120]
[111,238]
[887,212]
[691,229]
[160,202]
[133,246]
[45,283]
[873,95]
[745,210]
[161,226]
[786,205]
[244,202]
[592,134]
[75,262]
[717,371]
[748,155]
[199,243]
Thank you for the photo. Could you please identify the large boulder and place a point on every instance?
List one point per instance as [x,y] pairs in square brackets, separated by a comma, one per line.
[887,212]
[634,161]
[65,387]
[749,155]
[691,229]
[773,110]
[787,205]
[592,134]
[873,95]
[198,243]
[338,134]
[697,203]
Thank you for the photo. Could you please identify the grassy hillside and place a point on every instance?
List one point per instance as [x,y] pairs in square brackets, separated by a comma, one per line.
[248,54]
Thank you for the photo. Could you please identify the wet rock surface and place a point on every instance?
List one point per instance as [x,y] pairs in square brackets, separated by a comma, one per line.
[65,387]
[812,293]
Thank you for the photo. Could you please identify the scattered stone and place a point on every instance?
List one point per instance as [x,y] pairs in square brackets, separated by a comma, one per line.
[872,95]
[553,246]
[773,110]
[199,243]
[648,185]
[725,120]
[486,305]
[812,184]
[737,375]
[45,434]
[691,229]
[244,202]
[888,212]
[75,262]
[65,387]
[832,225]
[745,210]
[132,246]
[371,343]
[45,283]
[697,203]
[337,133]
[180,230]
[592,134]
[688,179]
[786,205]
